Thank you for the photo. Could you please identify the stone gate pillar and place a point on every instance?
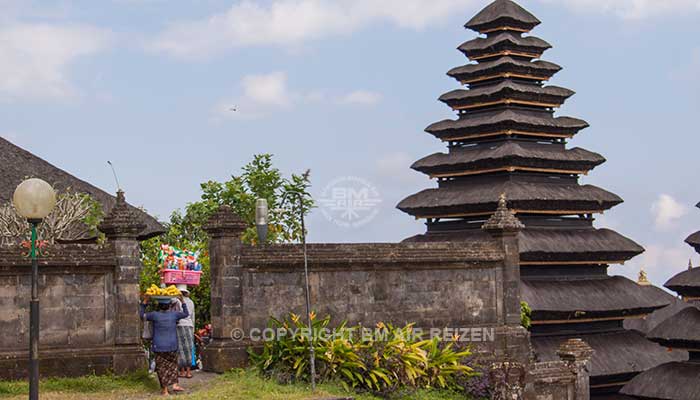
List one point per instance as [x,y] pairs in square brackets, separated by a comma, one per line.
[225,229]
[122,227]
[577,355]
[513,340]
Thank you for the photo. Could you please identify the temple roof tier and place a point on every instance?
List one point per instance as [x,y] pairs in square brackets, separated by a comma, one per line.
[507,92]
[653,320]
[503,15]
[504,44]
[464,199]
[615,353]
[504,68]
[694,241]
[681,331]
[590,299]
[586,246]
[508,122]
[509,156]
[673,381]
[686,283]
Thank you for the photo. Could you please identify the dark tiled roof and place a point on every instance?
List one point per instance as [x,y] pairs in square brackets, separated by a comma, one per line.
[502,42]
[615,352]
[671,381]
[509,154]
[556,245]
[472,72]
[562,299]
[505,119]
[682,327]
[481,197]
[507,89]
[16,164]
[502,13]
[651,321]
[694,241]
[688,279]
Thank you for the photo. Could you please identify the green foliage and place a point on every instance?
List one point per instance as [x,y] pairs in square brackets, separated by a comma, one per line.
[259,179]
[388,362]
[525,314]
[135,381]
[94,216]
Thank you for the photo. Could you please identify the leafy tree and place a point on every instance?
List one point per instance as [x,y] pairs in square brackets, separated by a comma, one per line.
[259,179]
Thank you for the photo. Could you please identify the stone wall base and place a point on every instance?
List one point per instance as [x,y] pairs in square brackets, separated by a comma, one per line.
[222,355]
[74,362]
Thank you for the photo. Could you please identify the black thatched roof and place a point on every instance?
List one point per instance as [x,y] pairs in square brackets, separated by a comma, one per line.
[651,321]
[670,381]
[591,298]
[616,353]
[506,92]
[502,42]
[509,154]
[686,283]
[506,119]
[502,14]
[694,241]
[539,70]
[16,164]
[577,245]
[556,245]
[482,197]
[681,330]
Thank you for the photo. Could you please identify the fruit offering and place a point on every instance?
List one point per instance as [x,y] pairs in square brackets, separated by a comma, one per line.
[168,291]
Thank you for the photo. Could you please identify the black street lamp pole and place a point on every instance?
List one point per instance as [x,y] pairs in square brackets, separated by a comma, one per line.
[34,199]
[34,319]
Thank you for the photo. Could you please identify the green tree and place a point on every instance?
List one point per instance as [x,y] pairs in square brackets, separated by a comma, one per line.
[259,179]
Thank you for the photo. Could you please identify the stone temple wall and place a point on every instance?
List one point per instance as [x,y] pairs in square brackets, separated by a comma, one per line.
[89,310]
[462,286]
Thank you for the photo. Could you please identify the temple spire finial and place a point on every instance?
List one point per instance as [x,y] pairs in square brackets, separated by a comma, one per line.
[690,264]
[643,280]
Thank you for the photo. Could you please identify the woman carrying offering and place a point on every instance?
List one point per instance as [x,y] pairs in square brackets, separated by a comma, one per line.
[165,342]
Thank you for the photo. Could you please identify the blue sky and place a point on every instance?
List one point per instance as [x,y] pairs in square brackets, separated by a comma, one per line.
[344,88]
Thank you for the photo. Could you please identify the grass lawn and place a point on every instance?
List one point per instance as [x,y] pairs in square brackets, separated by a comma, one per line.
[235,385]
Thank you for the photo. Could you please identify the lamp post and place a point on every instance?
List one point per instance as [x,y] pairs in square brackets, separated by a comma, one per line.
[261,217]
[34,199]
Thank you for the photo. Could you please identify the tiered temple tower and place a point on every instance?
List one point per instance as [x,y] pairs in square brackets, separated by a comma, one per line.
[506,140]
[679,332]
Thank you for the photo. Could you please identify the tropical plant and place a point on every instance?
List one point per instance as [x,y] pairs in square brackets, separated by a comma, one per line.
[525,315]
[388,362]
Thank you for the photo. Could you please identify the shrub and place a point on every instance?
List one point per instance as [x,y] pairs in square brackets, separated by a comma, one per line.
[389,361]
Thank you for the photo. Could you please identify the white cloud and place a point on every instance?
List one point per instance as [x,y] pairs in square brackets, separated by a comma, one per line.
[35,59]
[361,97]
[667,211]
[270,89]
[633,9]
[262,94]
[293,22]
